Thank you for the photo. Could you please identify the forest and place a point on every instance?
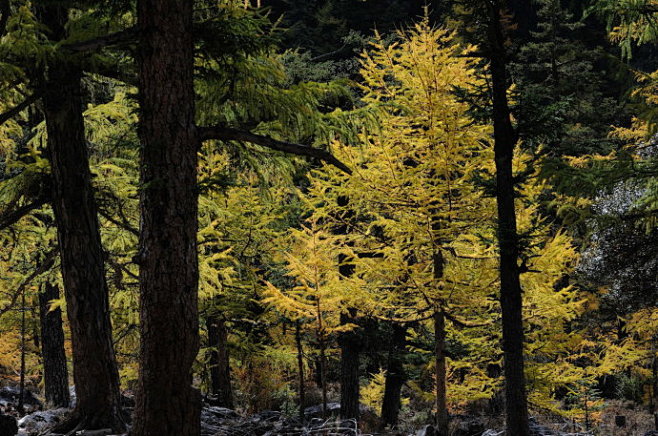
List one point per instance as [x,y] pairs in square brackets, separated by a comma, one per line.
[329,217]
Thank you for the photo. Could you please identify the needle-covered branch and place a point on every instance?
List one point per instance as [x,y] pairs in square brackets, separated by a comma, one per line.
[229,134]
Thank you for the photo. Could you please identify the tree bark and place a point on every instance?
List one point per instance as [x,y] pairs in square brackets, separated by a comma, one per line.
[395,376]
[167,404]
[82,259]
[55,371]
[442,417]
[349,370]
[220,370]
[505,140]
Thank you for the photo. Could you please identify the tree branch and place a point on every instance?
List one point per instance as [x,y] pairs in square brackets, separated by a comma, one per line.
[229,134]
[116,38]
[13,217]
[19,107]
[47,263]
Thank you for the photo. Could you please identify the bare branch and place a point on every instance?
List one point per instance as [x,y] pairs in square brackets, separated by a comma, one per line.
[42,268]
[13,217]
[19,107]
[117,38]
[229,134]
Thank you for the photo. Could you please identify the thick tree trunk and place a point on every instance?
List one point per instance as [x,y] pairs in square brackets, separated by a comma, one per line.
[510,294]
[55,372]
[220,370]
[442,417]
[395,376]
[167,404]
[349,370]
[83,271]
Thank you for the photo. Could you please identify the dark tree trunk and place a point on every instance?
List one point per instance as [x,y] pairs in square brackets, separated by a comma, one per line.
[220,370]
[300,370]
[167,404]
[55,372]
[349,370]
[395,376]
[505,140]
[83,271]
[21,396]
[442,417]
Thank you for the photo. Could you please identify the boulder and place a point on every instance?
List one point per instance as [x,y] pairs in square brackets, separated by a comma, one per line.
[37,422]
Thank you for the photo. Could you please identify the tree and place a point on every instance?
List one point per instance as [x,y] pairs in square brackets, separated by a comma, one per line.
[167,258]
[55,371]
[81,251]
[505,140]
[318,294]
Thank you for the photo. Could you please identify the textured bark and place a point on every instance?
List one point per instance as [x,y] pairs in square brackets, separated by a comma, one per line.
[395,376]
[349,369]
[220,370]
[505,140]
[55,372]
[167,404]
[94,366]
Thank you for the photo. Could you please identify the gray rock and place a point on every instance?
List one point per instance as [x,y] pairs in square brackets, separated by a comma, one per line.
[38,422]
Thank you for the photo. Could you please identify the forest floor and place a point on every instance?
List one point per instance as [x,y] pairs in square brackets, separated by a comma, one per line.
[218,421]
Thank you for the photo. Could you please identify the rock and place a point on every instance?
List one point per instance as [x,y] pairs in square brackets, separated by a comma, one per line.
[428,430]
[37,422]
[333,409]
[8,425]
[103,432]
[651,433]
[465,425]
[10,396]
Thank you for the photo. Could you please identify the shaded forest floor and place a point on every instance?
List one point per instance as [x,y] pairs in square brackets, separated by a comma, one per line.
[218,421]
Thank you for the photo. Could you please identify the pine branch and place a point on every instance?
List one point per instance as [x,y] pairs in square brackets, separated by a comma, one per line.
[5,116]
[229,134]
[13,217]
[117,38]
[42,268]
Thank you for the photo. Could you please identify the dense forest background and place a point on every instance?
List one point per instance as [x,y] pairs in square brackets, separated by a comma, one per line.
[405,213]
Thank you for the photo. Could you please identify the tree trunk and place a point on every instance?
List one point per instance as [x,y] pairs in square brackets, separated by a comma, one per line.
[510,294]
[395,376]
[442,417]
[167,404]
[21,392]
[349,370]
[220,370]
[55,372]
[82,259]
[300,369]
